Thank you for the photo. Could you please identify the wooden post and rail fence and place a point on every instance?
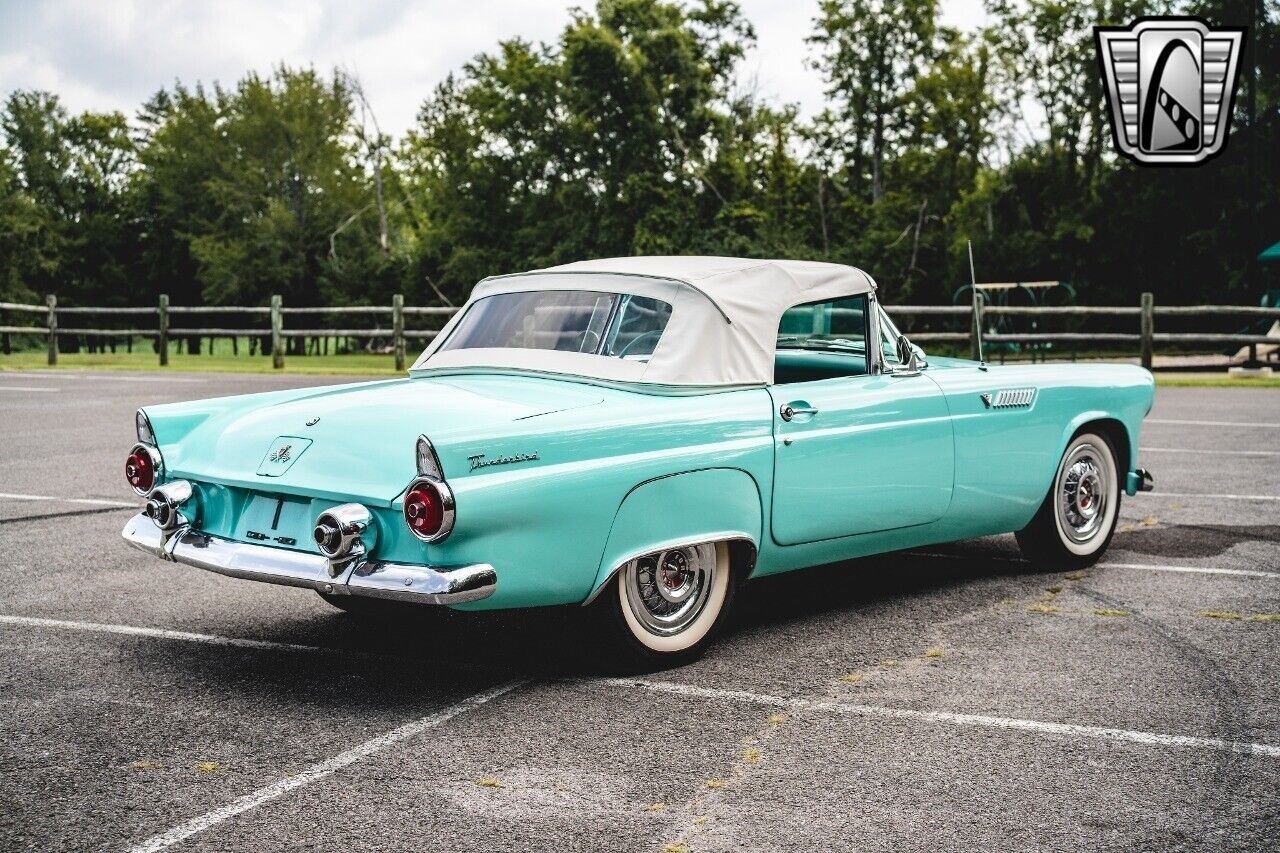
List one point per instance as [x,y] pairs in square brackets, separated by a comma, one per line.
[1145,339]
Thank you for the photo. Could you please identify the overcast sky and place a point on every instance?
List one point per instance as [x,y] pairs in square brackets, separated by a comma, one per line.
[113,54]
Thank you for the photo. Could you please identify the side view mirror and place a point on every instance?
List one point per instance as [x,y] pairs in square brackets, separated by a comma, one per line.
[908,357]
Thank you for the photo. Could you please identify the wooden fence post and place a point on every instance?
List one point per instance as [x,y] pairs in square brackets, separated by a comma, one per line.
[397,329]
[277,329]
[162,330]
[1148,327]
[975,330]
[52,302]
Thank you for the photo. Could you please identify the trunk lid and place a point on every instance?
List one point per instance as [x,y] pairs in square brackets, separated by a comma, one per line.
[359,440]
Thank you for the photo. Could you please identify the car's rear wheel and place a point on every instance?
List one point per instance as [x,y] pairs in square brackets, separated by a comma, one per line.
[664,608]
[1074,525]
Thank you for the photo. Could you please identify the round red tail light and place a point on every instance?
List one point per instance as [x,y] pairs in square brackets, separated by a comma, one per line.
[140,470]
[428,509]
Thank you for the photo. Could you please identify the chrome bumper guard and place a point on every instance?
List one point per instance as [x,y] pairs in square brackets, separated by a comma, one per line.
[372,578]
[1139,480]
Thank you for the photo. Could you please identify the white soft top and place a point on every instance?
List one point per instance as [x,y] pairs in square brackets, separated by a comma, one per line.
[723,327]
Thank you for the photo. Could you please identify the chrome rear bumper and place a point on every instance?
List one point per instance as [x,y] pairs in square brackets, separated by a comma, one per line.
[373,578]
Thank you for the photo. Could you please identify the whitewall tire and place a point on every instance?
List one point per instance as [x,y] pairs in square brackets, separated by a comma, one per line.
[665,607]
[1074,525]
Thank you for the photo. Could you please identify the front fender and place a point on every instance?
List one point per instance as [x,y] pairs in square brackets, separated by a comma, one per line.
[1132,435]
[696,506]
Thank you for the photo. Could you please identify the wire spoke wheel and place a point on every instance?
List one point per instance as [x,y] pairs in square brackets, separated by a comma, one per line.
[1083,494]
[668,591]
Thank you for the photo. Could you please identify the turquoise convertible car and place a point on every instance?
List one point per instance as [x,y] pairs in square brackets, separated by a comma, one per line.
[640,435]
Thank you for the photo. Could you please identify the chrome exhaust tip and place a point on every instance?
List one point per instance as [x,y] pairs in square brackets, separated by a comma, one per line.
[338,534]
[327,538]
[163,506]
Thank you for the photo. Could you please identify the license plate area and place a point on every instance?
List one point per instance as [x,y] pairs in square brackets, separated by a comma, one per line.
[276,520]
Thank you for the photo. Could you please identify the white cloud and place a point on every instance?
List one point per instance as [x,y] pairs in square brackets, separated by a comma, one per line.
[114,54]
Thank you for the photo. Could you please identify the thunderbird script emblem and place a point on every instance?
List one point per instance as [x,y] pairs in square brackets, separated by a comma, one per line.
[1170,83]
[479,460]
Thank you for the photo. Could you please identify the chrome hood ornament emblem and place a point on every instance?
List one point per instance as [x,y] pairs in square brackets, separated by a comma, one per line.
[281,455]
[1170,84]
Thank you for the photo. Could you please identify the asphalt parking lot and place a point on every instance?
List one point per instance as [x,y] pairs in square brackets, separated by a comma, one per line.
[939,700]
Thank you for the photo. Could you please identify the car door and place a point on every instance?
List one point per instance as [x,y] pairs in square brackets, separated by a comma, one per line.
[858,453]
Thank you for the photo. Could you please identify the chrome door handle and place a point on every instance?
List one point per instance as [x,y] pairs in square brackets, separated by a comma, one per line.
[789,411]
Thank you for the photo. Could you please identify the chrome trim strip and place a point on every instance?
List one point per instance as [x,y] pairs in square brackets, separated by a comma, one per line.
[142,425]
[875,364]
[376,579]
[426,459]
[1011,398]
[621,385]
[400,582]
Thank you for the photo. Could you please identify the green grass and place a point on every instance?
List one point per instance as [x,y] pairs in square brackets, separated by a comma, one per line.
[1215,380]
[363,364]
[373,364]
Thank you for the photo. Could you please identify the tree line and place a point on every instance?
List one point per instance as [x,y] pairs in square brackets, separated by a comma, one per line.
[636,132]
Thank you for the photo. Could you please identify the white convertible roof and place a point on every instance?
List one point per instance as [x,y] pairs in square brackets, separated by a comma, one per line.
[723,327]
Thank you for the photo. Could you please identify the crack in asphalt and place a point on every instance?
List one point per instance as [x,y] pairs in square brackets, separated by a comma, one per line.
[1222,694]
[72,512]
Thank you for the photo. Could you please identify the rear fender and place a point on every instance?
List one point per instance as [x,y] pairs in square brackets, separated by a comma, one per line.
[711,505]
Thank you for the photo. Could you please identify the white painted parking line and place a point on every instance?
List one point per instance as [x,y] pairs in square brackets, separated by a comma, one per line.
[1207,495]
[27,388]
[1212,423]
[104,376]
[1067,729]
[1215,452]
[1201,570]
[164,634]
[10,496]
[316,772]
[1150,567]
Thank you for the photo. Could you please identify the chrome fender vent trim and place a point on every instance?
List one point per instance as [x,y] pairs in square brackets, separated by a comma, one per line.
[1010,398]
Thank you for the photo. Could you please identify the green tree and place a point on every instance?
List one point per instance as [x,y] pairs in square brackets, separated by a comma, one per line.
[27,260]
[180,148]
[603,143]
[67,180]
[871,52]
[284,178]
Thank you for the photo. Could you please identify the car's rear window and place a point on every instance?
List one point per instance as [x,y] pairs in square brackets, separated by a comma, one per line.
[619,325]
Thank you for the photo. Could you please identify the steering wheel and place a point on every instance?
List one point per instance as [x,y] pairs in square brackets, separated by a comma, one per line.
[652,333]
[588,335]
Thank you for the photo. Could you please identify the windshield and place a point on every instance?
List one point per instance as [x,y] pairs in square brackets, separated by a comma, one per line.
[838,324]
[618,325]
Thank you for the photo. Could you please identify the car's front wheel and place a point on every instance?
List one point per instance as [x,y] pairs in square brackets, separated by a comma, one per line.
[664,608]
[1074,525]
